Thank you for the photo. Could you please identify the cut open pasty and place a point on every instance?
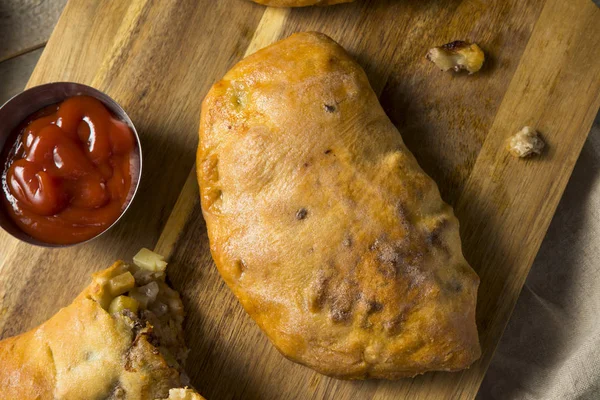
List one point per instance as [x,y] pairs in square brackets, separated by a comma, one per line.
[121,338]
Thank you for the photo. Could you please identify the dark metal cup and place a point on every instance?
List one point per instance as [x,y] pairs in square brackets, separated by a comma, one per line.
[21,106]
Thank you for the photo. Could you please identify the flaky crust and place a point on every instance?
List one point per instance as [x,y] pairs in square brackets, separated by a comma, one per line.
[83,352]
[323,224]
[299,3]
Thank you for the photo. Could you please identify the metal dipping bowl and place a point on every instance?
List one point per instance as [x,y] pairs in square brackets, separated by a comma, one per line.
[21,106]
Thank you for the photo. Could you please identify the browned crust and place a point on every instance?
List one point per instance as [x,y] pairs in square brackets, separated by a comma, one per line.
[323,224]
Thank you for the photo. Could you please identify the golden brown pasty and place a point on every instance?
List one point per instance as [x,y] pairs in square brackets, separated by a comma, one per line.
[120,339]
[323,224]
[300,3]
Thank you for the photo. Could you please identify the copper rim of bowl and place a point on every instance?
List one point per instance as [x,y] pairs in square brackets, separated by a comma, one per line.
[21,106]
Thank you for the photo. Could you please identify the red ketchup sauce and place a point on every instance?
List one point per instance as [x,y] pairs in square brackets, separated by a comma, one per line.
[67,176]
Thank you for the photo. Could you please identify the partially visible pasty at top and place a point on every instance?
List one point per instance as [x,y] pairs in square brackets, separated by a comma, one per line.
[299,3]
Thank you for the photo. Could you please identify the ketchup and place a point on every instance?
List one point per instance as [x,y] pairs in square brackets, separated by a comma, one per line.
[68,174]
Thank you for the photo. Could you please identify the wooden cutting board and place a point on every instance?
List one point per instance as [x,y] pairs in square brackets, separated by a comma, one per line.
[158,59]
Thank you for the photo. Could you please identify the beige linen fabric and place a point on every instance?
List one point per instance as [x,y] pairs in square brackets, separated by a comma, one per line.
[551,347]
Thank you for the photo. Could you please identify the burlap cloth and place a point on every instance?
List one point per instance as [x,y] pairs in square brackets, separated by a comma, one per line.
[551,347]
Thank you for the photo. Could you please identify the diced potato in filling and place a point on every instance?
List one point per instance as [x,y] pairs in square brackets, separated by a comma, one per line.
[150,260]
[121,303]
[138,295]
[121,284]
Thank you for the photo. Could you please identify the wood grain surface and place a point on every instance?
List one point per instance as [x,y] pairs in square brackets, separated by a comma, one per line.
[158,59]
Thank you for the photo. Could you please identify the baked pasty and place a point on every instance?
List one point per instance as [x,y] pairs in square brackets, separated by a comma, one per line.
[121,338]
[322,223]
[299,3]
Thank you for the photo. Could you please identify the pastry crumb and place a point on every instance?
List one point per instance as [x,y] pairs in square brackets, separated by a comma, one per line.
[457,56]
[526,142]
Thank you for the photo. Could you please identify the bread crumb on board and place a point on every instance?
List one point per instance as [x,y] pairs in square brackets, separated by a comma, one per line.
[525,143]
[457,56]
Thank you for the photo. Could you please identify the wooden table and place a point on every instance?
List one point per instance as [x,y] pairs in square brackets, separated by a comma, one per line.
[25,26]
[502,221]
